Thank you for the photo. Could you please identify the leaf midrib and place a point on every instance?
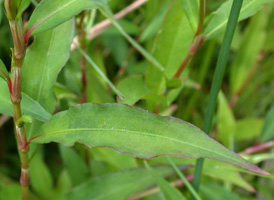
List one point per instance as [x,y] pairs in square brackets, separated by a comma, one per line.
[140,133]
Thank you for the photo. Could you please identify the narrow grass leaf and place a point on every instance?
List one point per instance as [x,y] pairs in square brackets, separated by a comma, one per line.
[217,79]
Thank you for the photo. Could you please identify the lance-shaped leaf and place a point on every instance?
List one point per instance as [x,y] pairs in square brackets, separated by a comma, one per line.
[44,59]
[135,131]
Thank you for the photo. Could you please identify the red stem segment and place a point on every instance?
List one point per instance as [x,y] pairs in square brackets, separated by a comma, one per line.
[197,40]
[14,83]
[259,147]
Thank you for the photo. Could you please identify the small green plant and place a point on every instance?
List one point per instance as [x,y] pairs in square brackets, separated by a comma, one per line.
[65,87]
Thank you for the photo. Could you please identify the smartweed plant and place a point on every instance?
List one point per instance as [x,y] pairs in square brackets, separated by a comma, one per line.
[78,78]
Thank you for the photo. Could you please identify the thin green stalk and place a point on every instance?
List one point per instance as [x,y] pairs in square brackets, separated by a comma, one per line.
[99,71]
[217,80]
[184,179]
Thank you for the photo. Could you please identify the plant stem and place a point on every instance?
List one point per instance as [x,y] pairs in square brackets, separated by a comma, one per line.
[217,80]
[18,55]
[197,41]
[83,61]
[259,147]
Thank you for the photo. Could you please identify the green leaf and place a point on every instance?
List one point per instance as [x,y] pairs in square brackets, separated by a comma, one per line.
[219,18]
[214,169]
[98,92]
[259,157]
[116,186]
[268,127]
[169,191]
[248,53]
[10,191]
[214,191]
[226,122]
[51,13]
[135,131]
[62,92]
[63,185]
[153,27]
[133,88]
[29,106]
[226,173]
[170,47]
[113,158]
[39,171]
[191,8]
[248,129]
[3,71]
[77,169]
[1,15]
[24,4]
[44,59]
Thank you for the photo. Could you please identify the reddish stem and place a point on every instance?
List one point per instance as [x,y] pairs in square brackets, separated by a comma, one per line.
[259,147]
[197,40]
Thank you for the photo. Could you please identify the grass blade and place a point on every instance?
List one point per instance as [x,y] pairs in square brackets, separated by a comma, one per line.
[217,79]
